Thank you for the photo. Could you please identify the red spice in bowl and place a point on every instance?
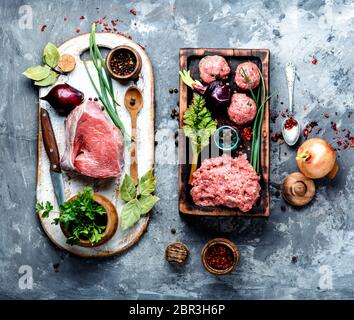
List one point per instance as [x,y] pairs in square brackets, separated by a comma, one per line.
[220,256]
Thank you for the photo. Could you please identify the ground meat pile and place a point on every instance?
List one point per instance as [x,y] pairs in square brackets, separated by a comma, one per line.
[212,68]
[247,76]
[227,181]
[242,109]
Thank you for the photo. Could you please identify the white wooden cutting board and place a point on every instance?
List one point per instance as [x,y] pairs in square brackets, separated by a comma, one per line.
[109,188]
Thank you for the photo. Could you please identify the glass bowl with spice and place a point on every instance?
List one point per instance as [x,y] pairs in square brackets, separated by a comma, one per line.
[220,256]
[123,63]
[226,138]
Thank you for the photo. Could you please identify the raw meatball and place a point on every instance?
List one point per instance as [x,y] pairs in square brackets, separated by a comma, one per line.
[251,71]
[242,109]
[213,67]
[226,181]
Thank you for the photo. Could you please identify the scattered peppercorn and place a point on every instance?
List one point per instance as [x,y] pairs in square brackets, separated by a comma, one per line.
[174,114]
[43,27]
[56,266]
[219,257]
[294,259]
[173,231]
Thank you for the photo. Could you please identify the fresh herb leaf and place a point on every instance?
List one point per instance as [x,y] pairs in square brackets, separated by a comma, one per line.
[127,191]
[37,73]
[48,81]
[147,203]
[198,127]
[139,199]
[147,184]
[83,217]
[51,55]
[44,209]
[147,176]
[39,207]
[130,214]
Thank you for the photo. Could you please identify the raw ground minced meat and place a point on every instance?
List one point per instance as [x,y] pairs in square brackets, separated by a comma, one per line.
[226,181]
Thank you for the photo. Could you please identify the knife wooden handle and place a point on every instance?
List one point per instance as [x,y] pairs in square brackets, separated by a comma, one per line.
[50,144]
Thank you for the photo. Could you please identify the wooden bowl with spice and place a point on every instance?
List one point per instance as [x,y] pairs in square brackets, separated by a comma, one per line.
[220,256]
[123,63]
[110,221]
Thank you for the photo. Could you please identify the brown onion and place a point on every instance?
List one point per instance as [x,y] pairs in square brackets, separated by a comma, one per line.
[316,158]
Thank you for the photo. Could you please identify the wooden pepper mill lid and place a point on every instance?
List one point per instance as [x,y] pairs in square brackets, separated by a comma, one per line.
[176,253]
[298,190]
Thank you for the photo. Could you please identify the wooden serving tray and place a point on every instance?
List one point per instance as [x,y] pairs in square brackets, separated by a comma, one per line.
[189,60]
[74,183]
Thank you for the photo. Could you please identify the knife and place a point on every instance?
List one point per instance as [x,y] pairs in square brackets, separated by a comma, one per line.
[51,148]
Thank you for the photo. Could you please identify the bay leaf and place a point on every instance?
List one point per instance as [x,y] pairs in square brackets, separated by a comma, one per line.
[147,203]
[147,187]
[127,191]
[51,55]
[130,214]
[48,81]
[37,73]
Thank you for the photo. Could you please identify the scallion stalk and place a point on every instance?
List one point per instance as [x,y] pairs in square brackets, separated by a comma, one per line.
[105,90]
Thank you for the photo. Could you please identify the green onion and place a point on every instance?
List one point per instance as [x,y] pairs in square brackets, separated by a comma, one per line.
[105,90]
[257,125]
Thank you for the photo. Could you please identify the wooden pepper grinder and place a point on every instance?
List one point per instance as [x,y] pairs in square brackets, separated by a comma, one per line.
[298,190]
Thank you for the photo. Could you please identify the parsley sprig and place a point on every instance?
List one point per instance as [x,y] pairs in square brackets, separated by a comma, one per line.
[83,218]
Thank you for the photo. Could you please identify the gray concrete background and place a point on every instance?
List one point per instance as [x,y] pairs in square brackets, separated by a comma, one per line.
[320,236]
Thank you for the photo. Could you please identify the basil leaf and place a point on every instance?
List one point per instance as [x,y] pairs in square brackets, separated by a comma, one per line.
[127,191]
[48,81]
[147,203]
[37,73]
[130,214]
[51,55]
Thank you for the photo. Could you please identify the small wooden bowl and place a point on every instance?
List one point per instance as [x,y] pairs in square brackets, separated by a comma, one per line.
[112,221]
[131,76]
[226,243]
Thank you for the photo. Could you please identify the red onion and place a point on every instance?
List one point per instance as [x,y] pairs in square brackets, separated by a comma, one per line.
[64,98]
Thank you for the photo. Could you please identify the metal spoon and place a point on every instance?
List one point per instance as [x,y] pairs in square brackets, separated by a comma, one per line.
[133,101]
[290,136]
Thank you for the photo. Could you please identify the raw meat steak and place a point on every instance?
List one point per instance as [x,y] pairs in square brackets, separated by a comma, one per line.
[94,146]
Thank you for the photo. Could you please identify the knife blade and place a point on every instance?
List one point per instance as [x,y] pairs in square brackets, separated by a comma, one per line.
[51,148]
